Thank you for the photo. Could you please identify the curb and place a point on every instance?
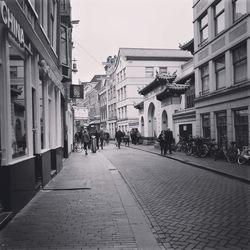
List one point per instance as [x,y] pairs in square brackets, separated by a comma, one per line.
[199,166]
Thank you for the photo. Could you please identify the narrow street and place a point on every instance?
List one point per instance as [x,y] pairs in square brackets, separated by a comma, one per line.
[189,208]
[130,199]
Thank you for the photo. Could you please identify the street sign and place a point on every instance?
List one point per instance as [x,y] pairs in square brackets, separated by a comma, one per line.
[76,91]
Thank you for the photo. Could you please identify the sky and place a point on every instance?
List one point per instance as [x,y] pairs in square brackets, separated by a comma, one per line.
[107,25]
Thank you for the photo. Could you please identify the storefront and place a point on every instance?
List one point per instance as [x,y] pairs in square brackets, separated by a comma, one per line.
[31,112]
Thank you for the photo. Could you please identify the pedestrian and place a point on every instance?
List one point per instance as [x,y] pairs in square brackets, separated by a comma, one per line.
[118,137]
[85,140]
[126,139]
[161,139]
[101,138]
[169,140]
[97,136]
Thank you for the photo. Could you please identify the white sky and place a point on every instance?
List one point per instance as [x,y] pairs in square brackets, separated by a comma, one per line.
[107,25]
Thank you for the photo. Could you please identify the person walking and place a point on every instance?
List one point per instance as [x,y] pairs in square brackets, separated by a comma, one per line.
[85,140]
[101,138]
[161,139]
[169,140]
[118,137]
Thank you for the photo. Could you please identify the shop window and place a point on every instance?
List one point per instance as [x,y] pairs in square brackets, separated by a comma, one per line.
[220,72]
[18,103]
[241,127]
[41,104]
[240,63]
[203,29]
[219,18]
[239,9]
[206,128]
[204,79]
[221,124]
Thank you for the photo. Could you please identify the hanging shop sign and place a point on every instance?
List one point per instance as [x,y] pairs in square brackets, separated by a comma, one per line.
[10,21]
[76,91]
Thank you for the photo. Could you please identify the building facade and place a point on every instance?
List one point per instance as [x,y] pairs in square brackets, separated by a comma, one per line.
[32,99]
[222,69]
[162,97]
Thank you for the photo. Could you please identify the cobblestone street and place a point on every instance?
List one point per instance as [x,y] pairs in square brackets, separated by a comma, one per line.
[189,208]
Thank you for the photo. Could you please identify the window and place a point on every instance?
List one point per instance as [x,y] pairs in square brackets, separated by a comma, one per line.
[220,72]
[206,125]
[44,14]
[240,63]
[163,70]
[18,103]
[203,29]
[219,18]
[204,79]
[221,124]
[149,71]
[64,45]
[125,92]
[239,9]
[53,23]
[42,123]
[241,127]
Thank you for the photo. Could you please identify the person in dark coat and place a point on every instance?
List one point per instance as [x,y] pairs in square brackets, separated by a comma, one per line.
[118,137]
[169,140]
[85,140]
[97,136]
[161,139]
[101,138]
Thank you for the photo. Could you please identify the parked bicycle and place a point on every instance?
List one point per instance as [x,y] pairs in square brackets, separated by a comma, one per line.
[244,155]
[197,147]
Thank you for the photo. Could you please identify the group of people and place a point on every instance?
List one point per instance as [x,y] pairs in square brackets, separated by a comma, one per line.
[135,136]
[84,137]
[165,140]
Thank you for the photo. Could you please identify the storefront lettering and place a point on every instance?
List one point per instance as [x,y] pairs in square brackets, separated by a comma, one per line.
[10,21]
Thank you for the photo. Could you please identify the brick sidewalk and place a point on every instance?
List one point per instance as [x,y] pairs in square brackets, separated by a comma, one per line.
[241,172]
[86,206]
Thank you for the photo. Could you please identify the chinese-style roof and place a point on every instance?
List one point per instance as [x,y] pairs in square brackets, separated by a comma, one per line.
[160,80]
[139,105]
[189,46]
[185,78]
[172,89]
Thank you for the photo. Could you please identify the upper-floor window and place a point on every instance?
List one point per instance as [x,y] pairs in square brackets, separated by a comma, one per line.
[44,15]
[163,70]
[149,71]
[219,18]
[220,72]
[239,9]
[204,28]
[204,79]
[64,45]
[53,23]
[240,63]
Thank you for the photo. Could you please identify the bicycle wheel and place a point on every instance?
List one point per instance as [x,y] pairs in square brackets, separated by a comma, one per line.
[232,155]
[203,150]
[241,160]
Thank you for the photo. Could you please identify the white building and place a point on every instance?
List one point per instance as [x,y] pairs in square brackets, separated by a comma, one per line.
[160,101]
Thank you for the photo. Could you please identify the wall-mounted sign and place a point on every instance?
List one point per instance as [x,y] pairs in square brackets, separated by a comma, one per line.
[10,21]
[76,91]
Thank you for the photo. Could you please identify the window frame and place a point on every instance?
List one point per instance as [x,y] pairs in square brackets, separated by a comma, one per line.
[217,16]
[234,4]
[239,62]
[149,71]
[218,70]
[203,77]
[202,28]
